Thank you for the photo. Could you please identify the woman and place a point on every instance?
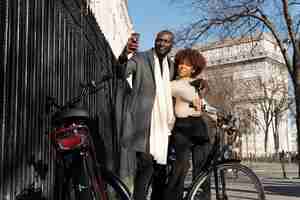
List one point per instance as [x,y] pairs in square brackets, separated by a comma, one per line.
[190,129]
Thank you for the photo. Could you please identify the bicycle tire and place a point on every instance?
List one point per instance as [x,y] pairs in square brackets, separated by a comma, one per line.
[117,190]
[64,183]
[96,190]
[69,178]
[240,183]
[104,184]
[59,181]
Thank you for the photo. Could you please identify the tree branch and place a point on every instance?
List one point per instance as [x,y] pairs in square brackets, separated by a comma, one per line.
[264,19]
[289,22]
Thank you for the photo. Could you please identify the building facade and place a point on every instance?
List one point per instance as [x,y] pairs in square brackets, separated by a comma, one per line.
[114,21]
[253,70]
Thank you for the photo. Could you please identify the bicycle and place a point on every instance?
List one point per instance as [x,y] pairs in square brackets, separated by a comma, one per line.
[228,178]
[78,175]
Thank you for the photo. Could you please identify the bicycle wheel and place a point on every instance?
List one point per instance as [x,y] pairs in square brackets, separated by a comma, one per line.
[94,188]
[114,187]
[71,181]
[228,182]
[104,185]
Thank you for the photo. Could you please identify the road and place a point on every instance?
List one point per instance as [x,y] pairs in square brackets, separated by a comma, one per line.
[276,187]
[270,174]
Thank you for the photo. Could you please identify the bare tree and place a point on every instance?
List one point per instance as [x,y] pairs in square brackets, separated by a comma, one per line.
[273,102]
[221,92]
[264,105]
[246,129]
[223,95]
[280,108]
[231,18]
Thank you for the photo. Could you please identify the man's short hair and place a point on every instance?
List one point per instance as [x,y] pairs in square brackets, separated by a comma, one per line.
[167,32]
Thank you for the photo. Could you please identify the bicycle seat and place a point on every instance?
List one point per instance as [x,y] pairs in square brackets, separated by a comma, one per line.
[79,113]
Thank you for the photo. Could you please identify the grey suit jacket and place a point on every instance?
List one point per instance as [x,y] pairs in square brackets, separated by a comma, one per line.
[140,100]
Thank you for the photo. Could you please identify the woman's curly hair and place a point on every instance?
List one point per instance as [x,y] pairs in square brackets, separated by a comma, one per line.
[192,57]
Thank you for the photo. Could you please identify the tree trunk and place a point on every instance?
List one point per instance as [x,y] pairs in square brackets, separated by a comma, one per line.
[296,60]
[247,147]
[276,140]
[266,141]
[275,127]
[297,94]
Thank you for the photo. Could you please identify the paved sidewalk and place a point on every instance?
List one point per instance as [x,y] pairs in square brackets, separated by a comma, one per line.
[276,187]
[273,169]
[283,189]
[270,174]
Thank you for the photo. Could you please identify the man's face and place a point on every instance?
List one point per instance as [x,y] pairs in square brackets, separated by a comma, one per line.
[163,44]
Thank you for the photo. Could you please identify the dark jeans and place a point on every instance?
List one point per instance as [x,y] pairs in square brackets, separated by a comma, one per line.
[184,142]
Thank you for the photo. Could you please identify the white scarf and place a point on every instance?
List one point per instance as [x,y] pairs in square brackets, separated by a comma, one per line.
[162,119]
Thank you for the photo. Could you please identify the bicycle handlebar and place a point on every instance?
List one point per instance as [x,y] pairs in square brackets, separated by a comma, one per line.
[94,85]
[222,117]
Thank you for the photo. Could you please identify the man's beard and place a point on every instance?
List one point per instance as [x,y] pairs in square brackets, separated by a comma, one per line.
[162,52]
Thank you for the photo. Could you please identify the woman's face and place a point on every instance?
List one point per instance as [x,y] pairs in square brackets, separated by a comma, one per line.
[185,70]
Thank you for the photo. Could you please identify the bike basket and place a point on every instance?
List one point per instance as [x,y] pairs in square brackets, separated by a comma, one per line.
[70,138]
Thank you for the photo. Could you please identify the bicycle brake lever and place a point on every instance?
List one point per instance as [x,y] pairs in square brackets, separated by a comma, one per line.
[93,83]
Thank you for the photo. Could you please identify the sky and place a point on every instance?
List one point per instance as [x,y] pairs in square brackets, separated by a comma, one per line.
[151,16]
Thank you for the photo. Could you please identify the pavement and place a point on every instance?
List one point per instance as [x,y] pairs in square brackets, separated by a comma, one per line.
[276,187]
[283,189]
[270,174]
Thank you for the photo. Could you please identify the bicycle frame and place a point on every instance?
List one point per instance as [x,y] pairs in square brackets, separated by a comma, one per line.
[74,147]
[76,152]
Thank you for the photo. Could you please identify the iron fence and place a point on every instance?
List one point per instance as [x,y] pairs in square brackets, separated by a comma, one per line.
[46,48]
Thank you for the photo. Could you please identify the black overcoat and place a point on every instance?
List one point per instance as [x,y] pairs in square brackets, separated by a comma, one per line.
[137,108]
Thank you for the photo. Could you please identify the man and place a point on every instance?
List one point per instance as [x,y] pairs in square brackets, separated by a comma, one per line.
[149,115]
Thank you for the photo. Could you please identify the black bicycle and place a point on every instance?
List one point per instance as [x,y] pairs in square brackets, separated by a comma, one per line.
[228,178]
[78,175]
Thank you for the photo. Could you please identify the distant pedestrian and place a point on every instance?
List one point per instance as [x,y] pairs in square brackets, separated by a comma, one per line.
[282,162]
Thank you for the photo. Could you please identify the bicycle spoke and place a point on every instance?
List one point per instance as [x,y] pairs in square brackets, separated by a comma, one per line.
[232,182]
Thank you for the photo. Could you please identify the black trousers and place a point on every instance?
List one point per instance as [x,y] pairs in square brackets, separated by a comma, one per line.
[190,134]
[143,175]
[148,172]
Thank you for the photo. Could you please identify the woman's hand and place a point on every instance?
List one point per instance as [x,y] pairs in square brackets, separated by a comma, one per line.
[198,103]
